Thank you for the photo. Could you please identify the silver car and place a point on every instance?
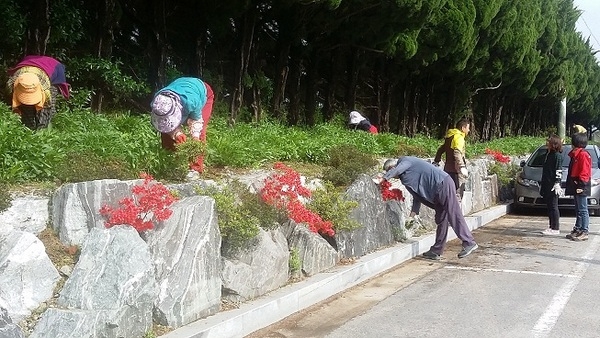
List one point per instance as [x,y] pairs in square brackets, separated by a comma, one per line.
[527,183]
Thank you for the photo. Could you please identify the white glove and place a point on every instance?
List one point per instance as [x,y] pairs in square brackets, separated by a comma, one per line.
[558,190]
[464,171]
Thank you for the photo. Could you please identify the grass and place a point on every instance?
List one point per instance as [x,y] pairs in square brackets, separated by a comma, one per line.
[81,146]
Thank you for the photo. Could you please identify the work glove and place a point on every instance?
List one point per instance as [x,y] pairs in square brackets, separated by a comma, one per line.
[558,190]
[196,128]
[412,222]
[464,171]
[180,137]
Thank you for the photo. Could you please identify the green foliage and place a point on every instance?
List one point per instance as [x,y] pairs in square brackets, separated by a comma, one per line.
[330,204]
[236,223]
[506,173]
[88,166]
[346,162]
[98,73]
[295,263]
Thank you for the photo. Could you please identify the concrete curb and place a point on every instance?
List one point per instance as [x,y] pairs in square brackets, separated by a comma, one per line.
[277,305]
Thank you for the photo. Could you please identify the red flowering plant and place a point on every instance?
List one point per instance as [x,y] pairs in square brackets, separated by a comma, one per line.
[390,194]
[283,190]
[498,156]
[150,203]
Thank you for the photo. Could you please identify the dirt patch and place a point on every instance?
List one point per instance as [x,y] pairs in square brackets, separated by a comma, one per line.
[61,255]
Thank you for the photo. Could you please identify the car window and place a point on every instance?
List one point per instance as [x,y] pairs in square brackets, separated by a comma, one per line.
[538,158]
[567,159]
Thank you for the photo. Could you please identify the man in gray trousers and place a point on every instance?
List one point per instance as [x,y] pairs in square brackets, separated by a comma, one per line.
[433,187]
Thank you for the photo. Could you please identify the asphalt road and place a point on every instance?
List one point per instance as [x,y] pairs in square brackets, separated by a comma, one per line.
[519,283]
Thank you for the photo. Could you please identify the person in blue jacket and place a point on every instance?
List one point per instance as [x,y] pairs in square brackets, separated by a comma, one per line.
[185,103]
[433,187]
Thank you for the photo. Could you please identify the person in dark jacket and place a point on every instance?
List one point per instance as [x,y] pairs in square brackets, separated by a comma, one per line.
[433,187]
[579,185]
[550,188]
[357,121]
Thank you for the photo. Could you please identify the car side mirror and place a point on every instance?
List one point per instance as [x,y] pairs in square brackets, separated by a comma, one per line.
[522,164]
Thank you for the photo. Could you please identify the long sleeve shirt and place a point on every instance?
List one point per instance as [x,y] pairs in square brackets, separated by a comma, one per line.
[421,179]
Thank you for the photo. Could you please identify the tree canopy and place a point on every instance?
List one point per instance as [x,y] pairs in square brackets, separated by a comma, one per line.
[411,66]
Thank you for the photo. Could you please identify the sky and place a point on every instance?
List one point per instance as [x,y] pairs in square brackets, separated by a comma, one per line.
[589,23]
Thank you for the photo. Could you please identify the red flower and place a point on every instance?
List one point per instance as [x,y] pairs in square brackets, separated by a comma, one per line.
[498,156]
[283,190]
[150,203]
[390,194]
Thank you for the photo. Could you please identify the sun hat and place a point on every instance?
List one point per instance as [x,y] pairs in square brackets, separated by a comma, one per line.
[27,90]
[389,164]
[356,117]
[166,112]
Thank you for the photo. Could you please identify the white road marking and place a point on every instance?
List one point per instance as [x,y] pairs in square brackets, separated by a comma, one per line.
[546,322]
[512,271]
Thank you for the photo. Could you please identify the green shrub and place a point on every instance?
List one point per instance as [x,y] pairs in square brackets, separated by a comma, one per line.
[80,167]
[330,204]
[236,224]
[295,263]
[346,163]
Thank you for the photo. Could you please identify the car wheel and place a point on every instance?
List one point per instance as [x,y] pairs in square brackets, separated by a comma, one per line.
[595,212]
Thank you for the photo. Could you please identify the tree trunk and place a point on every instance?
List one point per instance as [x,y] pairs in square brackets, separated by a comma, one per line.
[247,25]
[310,101]
[38,27]
[107,19]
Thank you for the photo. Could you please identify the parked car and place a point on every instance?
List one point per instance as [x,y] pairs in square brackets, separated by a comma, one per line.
[527,183]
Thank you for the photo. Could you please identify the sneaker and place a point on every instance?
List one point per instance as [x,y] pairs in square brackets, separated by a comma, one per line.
[573,233]
[467,250]
[431,255]
[551,232]
[580,236]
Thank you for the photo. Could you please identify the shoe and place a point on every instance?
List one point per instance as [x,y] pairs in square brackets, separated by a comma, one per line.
[431,255]
[551,232]
[580,236]
[573,233]
[467,250]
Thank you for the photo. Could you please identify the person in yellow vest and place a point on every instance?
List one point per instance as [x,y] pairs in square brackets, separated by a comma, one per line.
[454,150]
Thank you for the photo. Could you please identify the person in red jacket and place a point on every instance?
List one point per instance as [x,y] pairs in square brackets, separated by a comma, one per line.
[579,185]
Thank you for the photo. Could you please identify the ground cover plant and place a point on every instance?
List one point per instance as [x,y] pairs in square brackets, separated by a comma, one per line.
[81,146]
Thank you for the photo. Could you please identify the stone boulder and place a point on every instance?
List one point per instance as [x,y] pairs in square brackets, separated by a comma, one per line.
[186,251]
[27,276]
[111,291]
[27,213]
[315,253]
[76,206]
[256,269]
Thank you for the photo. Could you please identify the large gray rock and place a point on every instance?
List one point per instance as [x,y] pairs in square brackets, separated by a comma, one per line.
[80,323]
[111,291]
[186,251]
[7,328]
[76,206]
[256,269]
[374,232]
[27,276]
[27,213]
[315,253]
